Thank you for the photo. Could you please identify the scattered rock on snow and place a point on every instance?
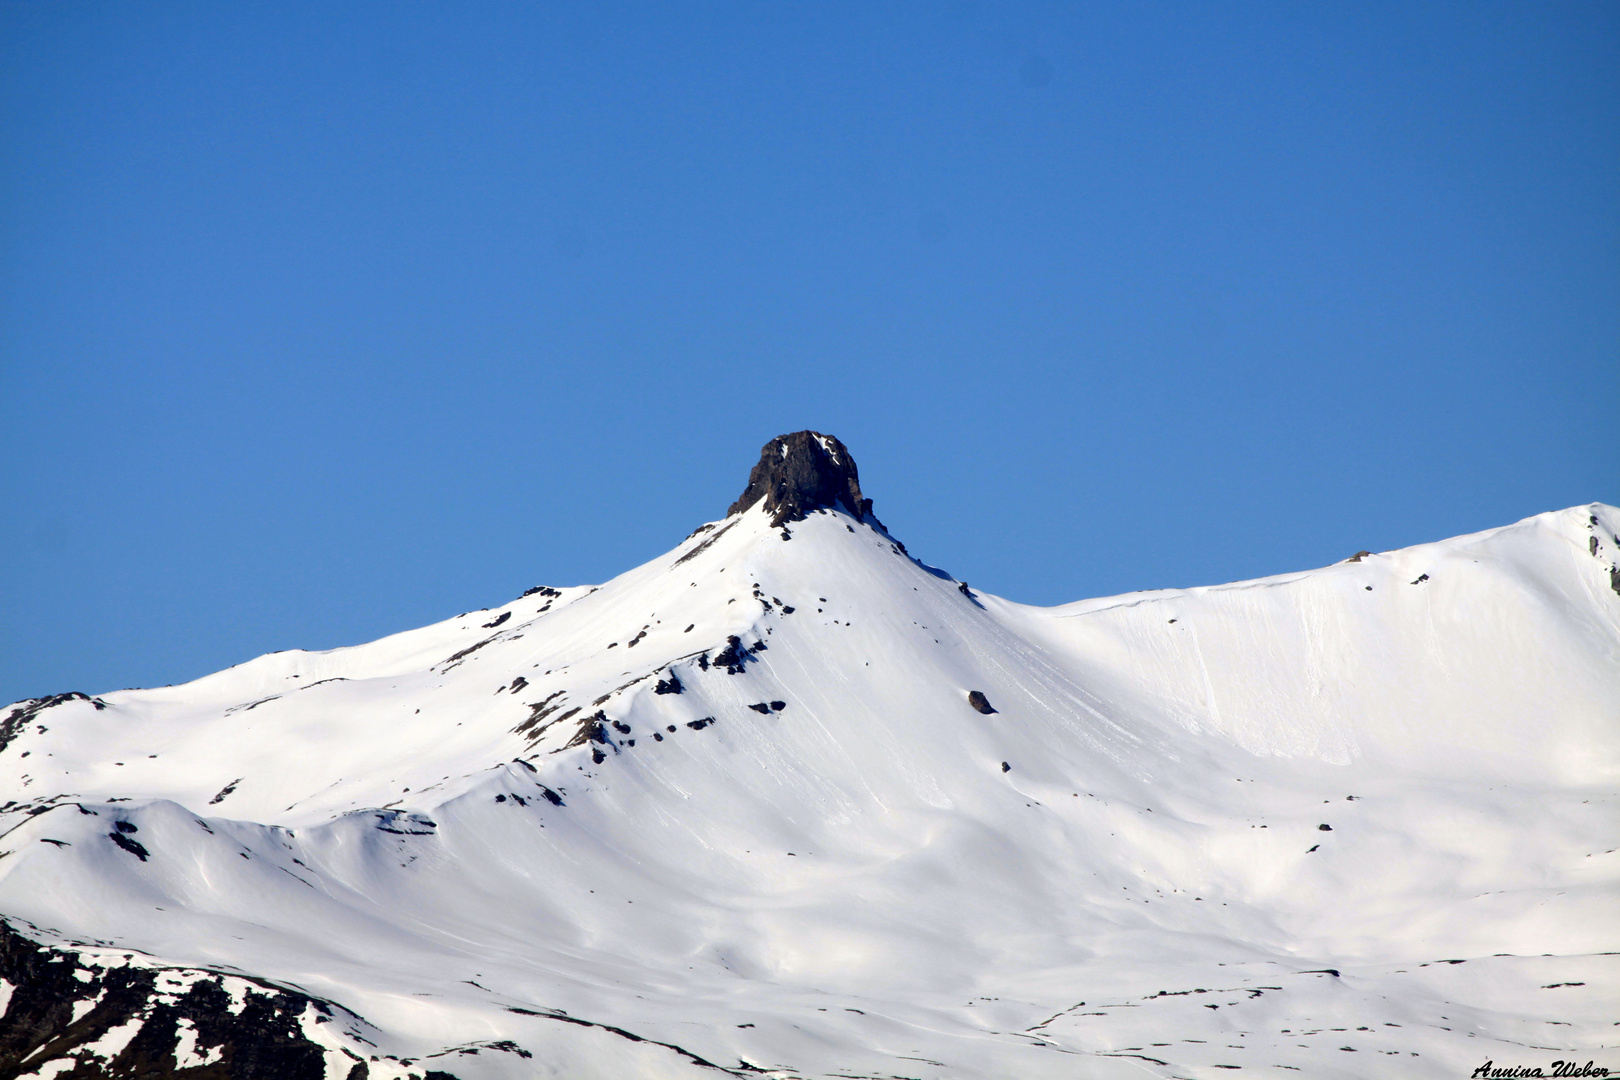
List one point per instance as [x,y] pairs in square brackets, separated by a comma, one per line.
[225,791]
[134,847]
[25,711]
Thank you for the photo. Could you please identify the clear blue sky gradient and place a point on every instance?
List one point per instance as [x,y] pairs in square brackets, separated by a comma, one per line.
[321,322]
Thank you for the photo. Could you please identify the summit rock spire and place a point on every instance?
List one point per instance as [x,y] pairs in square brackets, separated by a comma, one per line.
[802,472]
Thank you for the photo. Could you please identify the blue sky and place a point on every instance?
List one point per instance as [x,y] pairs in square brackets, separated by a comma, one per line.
[319,322]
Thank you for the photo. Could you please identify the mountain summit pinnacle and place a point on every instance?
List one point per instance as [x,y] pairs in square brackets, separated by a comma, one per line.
[802,472]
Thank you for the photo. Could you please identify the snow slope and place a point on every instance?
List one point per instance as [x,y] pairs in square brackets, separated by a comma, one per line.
[733,811]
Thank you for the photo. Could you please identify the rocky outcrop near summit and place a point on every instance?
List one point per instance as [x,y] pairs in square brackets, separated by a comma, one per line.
[801,473]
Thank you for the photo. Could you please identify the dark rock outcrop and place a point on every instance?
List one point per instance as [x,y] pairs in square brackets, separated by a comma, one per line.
[977,699]
[735,656]
[803,472]
[258,1036]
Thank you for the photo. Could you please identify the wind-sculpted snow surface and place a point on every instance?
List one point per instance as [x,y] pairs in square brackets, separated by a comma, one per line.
[738,811]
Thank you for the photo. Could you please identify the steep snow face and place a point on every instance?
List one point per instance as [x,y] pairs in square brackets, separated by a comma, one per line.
[786,799]
[1492,654]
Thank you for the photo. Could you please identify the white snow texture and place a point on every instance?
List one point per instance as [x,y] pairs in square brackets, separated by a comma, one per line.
[1357,821]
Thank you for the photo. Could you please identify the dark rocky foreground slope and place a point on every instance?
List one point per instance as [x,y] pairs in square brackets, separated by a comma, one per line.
[123,1019]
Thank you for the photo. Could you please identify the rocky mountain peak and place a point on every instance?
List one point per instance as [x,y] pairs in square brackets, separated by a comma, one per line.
[802,472]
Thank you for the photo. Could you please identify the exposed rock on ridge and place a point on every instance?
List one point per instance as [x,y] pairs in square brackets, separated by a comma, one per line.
[803,472]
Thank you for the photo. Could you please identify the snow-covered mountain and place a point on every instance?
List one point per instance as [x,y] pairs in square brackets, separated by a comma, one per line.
[788,801]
